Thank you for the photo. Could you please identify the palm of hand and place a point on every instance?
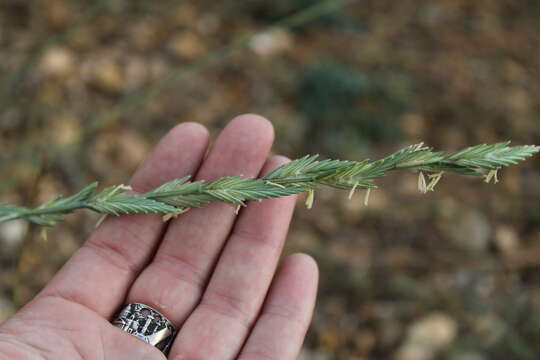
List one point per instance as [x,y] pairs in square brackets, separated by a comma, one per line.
[210,272]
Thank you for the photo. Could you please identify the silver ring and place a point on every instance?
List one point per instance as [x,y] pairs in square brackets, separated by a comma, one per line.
[147,324]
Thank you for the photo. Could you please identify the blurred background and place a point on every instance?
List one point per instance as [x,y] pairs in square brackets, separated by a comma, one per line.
[87,88]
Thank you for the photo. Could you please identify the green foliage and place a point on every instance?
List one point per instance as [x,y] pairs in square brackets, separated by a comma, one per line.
[491,156]
[118,204]
[298,176]
[349,109]
[306,169]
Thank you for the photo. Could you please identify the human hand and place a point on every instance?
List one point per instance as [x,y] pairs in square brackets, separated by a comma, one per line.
[211,272]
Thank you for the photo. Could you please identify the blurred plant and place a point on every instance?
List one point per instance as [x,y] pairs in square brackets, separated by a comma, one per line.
[10,83]
[298,176]
[348,108]
[143,96]
[274,10]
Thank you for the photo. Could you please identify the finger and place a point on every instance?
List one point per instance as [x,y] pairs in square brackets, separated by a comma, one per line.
[174,281]
[99,274]
[240,280]
[281,327]
[56,329]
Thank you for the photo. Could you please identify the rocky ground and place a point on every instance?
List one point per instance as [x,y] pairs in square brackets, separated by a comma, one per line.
[87,89]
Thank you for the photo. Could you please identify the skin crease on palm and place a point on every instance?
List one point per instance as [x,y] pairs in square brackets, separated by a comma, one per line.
[213,273]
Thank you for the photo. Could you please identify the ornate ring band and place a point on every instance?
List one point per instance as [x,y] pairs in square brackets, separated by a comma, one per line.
[147,324]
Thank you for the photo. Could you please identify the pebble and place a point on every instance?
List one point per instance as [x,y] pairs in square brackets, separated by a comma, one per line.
[67,129]
[109,76]
[271,43]
[506,239]
[12,234]
[57,61]
[427,336]
[435,330]
[470,230]
[104,72]
[186,46]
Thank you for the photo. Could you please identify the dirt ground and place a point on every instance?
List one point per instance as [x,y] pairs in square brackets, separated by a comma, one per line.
[87,88]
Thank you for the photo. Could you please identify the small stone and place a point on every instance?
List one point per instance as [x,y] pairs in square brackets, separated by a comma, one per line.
[433,331]
[109,76]
[506,239]
[67,129]
[105,73]
[271,43]
[427,336]
[12,234]
[57,61]
[470,230]
[186,46]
